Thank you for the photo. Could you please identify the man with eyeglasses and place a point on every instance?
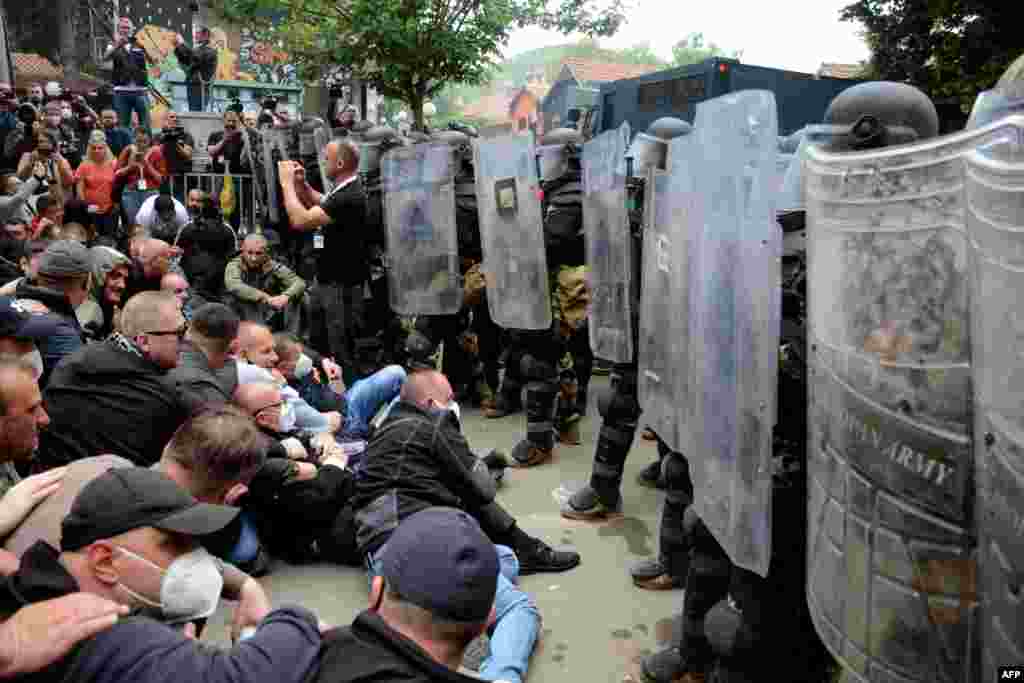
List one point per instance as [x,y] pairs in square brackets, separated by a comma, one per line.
[116,396]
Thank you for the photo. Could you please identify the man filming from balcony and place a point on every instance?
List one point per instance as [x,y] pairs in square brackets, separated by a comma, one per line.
[200,64]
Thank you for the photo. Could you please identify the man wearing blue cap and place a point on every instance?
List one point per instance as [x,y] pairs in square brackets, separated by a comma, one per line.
[439,576]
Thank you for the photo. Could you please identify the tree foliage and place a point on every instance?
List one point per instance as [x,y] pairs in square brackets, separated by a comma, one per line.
[692,50]
[948,48]
[410,49]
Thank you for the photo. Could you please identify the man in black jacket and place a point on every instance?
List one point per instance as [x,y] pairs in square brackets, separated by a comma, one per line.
[130,534]
[417,459]
[207,349]
[131,81]
[115,397]
[436,590]
[200,64]
[303,479]
[207,244]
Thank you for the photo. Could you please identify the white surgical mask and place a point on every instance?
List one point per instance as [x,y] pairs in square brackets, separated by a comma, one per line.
[189,589]
[303,366]
[287,421]
[36,359]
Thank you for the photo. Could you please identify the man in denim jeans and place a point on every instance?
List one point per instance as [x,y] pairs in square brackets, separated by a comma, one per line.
[129,75]
[437,584]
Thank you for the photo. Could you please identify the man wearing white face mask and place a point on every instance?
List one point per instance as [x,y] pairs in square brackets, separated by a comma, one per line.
[131,537]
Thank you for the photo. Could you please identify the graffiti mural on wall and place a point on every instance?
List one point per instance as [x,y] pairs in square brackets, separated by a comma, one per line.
[240,56]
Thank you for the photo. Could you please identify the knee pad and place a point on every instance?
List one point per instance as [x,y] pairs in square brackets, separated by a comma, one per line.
[534,368]
[615,407]
[675,470]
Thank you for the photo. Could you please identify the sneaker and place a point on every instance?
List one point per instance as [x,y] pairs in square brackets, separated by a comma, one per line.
[667,666]
[651,575]
[648,434]
[569,432]
[543,558]
[496,462]
[650,476]
[526,455]
[585,505]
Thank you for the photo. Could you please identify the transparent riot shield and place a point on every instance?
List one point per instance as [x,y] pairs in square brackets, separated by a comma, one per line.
[891,574]
[419,210]
[664,339]
[321,138]
[995,224]
[275,148]
[512,233]
[609,246]
[735,302]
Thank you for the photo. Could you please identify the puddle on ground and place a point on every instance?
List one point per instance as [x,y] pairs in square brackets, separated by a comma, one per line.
[634,530]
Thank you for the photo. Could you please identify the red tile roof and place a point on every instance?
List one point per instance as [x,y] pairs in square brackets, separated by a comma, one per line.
[587,71]
[34,66]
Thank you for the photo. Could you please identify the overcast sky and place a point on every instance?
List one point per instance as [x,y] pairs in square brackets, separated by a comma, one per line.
[788,34]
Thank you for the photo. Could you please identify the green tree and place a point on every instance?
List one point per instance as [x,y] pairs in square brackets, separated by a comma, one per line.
[692,50]
[411,49]
[948,48]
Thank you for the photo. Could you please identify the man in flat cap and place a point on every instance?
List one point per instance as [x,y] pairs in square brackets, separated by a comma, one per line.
[132,537]
[435,593]
[61,285]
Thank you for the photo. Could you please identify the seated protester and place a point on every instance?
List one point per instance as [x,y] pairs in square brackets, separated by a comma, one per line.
[14,258]
[21,415]
[262,289]
[317,379]
[176,284]
[256,363]
[207,348]
[162,216]
[110,269]
[14,195]
[439,584]
[61,284]
[115,396]
[151,262]
[315,488]
[214,456]
[127,528]
[418,458]
[76,232]
[207,244]
[16,229]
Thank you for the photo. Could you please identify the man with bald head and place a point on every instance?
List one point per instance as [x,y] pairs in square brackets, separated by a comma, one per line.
[152,262]
[418,458]
[262,289]
[115,396]
[316,486]
[338,224]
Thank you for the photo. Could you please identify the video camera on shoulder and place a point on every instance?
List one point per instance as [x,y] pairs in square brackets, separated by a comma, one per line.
[27,114]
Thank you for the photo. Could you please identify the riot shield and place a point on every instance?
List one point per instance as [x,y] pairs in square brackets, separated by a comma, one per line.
[609,245]
[321,138]
[512,233]
[419,208]
[735,302]
[664,339]
[995,224]
[275,148]
[891,576]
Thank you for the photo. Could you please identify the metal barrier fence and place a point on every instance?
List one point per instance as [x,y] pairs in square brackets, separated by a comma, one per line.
[247,214]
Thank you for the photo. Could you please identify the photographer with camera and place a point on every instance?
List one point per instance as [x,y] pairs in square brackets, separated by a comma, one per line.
[135,180]
[129,75]
[46,164]
[230,151]
[172,155]
[67,140]
[21,139]
[200,65]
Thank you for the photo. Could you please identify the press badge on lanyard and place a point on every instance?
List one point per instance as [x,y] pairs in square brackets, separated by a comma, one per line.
[318,240]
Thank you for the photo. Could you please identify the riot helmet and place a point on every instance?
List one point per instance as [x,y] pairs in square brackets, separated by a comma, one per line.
[375,141]
[878,114]
[558,153]
[1006,98]
[650,149]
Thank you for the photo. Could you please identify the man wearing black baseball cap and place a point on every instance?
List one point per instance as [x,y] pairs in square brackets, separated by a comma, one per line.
[439,575]
[131,536]
[20,330]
